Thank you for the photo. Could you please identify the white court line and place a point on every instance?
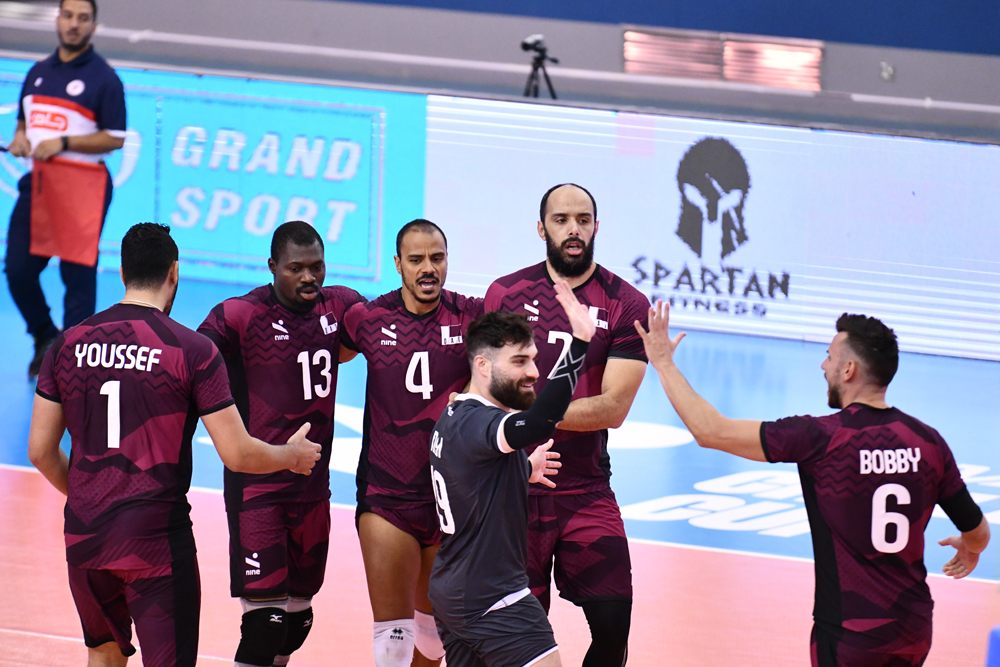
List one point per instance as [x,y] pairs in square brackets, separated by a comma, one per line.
[659,543]
[79,640]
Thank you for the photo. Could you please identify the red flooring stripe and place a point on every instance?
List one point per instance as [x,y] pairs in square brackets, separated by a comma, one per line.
[692,607]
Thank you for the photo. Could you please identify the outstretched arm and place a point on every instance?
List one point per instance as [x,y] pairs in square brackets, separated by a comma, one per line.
[968,546]
[708,426]
[242,453]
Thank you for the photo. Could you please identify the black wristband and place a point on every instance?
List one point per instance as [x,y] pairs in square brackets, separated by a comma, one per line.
[65,142]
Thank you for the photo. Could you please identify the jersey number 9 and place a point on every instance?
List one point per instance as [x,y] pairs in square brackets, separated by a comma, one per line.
[445,517]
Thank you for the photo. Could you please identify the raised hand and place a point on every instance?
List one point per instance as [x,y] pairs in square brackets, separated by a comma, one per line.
[579,315]
[306,452]
[544,465]
[964,561]
[659,346]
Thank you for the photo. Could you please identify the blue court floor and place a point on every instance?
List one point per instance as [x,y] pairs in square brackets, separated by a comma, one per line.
[670,490]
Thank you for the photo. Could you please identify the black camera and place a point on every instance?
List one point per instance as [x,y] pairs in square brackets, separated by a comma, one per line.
[534,43]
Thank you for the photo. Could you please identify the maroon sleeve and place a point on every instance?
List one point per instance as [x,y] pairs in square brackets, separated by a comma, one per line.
[793,440]
[209,380]
[951,477]
[475,307]
[625,340]
[352,320]
[494,298]
[214,327]
[47,387]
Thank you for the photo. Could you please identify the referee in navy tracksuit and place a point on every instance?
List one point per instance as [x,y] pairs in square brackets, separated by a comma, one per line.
[72,105]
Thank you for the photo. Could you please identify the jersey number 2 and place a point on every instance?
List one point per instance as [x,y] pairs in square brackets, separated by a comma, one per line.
[882,519]
[321,356]
[445,517]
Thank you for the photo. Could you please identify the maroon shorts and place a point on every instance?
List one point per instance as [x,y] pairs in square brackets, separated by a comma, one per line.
[835,647]
[164,602]
[279,550]
[421,521]
[585,536]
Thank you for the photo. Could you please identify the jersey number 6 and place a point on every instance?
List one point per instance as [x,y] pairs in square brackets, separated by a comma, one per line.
[882,519]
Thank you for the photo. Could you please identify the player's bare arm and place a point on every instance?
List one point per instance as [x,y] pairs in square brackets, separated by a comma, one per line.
[967,546]
[544,465]
[96,143]
[242,453]
[708,426]
[19,145]
[47,427]
[346,355]
[619,386]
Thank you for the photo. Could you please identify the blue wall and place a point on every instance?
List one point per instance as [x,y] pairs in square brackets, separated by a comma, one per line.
[966,26]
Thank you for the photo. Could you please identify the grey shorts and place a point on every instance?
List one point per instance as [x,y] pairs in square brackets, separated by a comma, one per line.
[513,636]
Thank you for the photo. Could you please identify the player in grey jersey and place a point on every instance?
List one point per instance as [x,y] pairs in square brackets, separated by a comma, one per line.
[480,472]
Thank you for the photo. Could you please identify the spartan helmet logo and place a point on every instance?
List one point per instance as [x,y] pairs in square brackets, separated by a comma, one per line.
[714,182]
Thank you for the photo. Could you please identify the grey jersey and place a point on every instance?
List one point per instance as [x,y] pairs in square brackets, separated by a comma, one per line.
[482,505]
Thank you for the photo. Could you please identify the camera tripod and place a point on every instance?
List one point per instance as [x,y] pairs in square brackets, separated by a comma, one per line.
[531,88]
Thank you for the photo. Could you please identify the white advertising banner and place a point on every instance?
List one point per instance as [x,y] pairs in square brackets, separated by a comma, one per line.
[744,228]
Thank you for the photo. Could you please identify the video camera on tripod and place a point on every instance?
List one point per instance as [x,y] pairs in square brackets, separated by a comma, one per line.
[536,43]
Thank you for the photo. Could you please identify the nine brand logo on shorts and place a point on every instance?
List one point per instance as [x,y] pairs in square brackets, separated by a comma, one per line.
[254,565]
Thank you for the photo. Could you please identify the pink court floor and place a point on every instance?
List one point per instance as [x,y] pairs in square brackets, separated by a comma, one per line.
[694,606]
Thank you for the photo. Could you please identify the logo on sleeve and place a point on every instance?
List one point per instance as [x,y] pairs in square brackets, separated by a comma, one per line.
[451,334]
[38,82]
[328,326]
[277,326]
[390,334]
[533,310]
[599,316]
[75,87]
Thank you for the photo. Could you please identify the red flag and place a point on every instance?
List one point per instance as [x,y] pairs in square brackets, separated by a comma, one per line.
[67,209]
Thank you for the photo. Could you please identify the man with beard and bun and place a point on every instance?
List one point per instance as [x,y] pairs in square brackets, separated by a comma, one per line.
[413,340]
[130,384]
[579,525]
[870,475]
[72,105]
[480,470]
[281,343]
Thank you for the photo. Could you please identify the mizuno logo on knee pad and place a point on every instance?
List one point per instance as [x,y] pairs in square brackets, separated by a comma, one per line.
[276,618]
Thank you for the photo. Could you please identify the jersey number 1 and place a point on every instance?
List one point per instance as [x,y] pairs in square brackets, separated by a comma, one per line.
[113,390]
[882,519]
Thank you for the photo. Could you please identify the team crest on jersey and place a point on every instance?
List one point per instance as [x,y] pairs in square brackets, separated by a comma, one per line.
[599,316]
[329,323]
[532,311]
[278,326]
[451,334]
[75,87]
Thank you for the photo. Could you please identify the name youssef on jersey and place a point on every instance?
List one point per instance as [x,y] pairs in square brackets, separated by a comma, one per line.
[124,357]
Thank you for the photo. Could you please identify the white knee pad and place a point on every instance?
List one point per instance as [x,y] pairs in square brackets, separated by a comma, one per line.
[428,640]
[393,643]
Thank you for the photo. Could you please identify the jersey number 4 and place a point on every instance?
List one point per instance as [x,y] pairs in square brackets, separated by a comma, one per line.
[882,519]
[420,362]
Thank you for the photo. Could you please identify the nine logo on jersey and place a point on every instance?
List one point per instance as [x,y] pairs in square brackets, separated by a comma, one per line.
[533,310]
[277,326]
[390,334]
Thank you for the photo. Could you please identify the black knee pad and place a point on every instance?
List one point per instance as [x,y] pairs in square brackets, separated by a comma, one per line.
[263,633]
[610,621]
[299,624]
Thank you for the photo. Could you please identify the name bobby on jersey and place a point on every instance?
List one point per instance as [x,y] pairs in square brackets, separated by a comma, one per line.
[870,480]
[614,306]
[283,371]
[79,97]
[132,384]
[482,504]
[414,364]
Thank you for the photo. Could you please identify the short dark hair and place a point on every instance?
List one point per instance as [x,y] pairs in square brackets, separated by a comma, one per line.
[420,225]
[545,199]
[93,4]
[298,232]
[494,330]
[148,252]
[874,343]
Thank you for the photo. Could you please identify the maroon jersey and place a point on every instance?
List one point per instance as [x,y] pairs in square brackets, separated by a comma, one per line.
[870,480]
[414,363]
[615,306]
[132,384]
[283,370]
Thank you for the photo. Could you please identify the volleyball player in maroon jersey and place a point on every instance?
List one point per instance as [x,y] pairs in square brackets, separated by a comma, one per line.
[130,384]
[413,340]
[281,345]
[578,524]
[871,475]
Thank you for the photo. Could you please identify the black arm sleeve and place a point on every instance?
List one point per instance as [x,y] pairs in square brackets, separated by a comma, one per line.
[537,423]
[962,510]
